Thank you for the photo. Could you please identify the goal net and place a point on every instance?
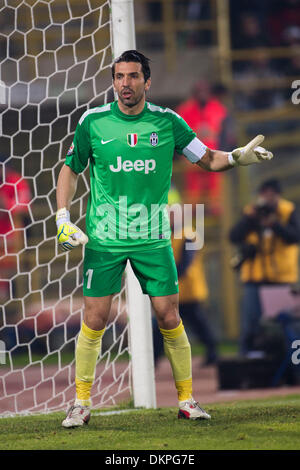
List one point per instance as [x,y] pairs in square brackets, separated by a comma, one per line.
[55,63]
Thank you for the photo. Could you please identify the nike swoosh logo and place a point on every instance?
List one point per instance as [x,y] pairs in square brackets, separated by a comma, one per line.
[103,142]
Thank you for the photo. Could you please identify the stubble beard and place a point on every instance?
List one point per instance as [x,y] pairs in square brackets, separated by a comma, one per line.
[132,101]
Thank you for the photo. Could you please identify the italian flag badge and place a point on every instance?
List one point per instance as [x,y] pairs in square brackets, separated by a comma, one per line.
[132,139]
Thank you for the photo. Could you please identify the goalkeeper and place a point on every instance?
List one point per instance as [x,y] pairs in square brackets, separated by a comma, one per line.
[129,145]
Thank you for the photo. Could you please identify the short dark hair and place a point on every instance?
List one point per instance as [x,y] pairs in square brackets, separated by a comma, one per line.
[272,184]
[133,56]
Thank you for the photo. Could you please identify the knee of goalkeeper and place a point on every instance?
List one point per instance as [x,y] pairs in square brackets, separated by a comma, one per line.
[68,234]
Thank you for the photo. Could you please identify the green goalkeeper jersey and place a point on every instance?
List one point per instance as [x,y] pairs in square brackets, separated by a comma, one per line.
[130,158]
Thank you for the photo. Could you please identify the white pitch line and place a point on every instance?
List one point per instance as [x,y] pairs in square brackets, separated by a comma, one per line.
[116,412]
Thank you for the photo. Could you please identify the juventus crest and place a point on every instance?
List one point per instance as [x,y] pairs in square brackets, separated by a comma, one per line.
[154,139]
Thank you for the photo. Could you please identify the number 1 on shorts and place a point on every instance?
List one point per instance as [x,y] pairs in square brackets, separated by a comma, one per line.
[89,275]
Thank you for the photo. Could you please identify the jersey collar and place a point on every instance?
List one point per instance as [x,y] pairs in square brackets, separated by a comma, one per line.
[116,110]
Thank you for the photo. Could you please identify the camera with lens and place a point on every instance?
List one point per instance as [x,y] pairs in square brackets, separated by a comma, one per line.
[264,210]
[246,251]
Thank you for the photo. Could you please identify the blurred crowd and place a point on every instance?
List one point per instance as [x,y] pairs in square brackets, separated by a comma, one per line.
[267,25]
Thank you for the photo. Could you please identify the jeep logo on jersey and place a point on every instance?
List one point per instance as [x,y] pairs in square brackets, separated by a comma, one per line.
[138,165]
[132,139]
[154,139]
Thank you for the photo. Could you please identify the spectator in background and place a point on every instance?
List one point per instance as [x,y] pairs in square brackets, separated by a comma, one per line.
[248,33]
[154,10]
[227,137]
[252,95]
[293,65]
[193,289]
[15,196]
[292,70]
[283,20]
[184,10]
[193,10]
[268,235]
[290,39]
[291,36]
[207,116]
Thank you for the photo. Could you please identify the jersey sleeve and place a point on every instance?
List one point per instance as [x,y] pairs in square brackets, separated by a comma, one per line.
[183,134]
[80,151]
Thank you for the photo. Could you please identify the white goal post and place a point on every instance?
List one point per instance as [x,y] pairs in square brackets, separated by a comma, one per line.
[55,63]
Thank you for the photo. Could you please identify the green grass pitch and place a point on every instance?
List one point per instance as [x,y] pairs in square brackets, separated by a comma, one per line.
[244,425]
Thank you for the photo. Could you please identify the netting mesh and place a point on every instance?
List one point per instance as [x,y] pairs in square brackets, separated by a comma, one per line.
[55,63]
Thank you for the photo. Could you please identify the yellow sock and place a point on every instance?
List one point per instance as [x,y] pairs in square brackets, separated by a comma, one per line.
[178,351]
[87,352]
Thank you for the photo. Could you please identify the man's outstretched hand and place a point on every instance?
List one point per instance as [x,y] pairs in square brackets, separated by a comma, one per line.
[251,153]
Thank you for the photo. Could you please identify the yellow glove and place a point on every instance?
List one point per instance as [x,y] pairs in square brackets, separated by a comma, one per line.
[68,235]
[251,153]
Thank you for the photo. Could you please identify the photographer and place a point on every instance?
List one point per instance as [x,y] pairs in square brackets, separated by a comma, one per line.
[267,235]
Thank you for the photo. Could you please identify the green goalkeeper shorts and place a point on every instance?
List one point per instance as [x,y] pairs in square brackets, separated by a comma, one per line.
[155,269]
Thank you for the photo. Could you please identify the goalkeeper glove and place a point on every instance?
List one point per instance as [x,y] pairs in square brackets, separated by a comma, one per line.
[251,153]
[68,235]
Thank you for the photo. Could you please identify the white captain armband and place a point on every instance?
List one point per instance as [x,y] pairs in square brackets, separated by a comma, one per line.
[195,150]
